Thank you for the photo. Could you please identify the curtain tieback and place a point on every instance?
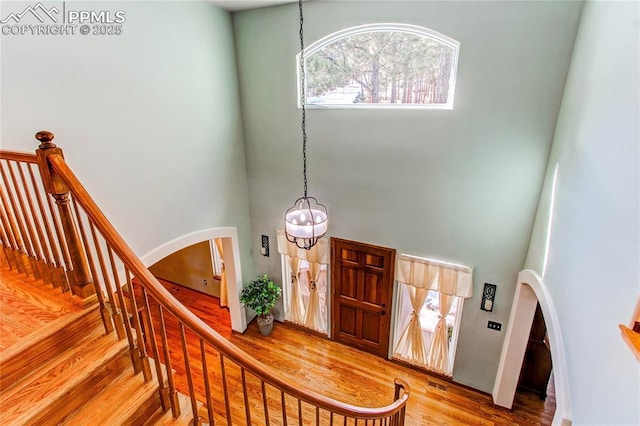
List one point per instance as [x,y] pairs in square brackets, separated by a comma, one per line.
[313,285]
[413,313]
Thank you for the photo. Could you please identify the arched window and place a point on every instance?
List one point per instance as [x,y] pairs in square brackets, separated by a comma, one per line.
[381,65]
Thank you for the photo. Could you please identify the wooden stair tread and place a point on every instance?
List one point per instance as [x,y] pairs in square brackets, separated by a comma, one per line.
[26,305]
[54,380]
[161,418]
[66,371]
[127,399]
[44,332]
[31,288]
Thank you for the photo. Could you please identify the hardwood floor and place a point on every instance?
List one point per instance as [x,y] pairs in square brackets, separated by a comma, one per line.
[26,307]
[339,371]
[327,367]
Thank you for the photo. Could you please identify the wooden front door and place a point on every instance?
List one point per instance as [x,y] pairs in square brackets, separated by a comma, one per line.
[362,282]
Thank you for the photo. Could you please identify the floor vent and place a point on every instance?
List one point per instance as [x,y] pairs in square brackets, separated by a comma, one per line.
[437,385]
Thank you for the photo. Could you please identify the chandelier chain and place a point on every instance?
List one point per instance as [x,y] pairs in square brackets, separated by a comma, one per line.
[303,101]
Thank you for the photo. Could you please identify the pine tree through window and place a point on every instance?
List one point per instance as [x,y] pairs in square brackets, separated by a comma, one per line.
[383,65]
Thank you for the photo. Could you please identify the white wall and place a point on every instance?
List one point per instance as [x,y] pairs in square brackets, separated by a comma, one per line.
[149,120]
[593,271]
[460,185]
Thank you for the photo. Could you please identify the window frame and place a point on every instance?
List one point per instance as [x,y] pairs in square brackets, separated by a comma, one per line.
[381,27]
[216,260]
[286,295]
[398,323]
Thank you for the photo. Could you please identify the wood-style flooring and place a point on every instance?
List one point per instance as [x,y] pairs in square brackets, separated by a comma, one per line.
[25,307]
[341,372]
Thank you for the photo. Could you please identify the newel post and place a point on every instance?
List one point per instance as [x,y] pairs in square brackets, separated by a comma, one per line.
[79,269]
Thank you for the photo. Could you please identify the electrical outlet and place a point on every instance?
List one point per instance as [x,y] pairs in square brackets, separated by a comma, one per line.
[494,326]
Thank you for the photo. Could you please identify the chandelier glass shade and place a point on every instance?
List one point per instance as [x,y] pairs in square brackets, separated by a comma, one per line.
[305,222]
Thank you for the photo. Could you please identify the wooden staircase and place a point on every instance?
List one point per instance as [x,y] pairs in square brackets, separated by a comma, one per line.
[70,359]
[68,371]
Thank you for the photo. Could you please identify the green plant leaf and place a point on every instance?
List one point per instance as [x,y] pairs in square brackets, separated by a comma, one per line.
[260,295]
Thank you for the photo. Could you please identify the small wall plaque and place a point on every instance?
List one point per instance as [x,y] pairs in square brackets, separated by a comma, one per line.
[488,296]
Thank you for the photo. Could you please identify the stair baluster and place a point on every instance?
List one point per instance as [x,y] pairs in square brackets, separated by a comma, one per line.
[16,225]
[151,337]
[9,245]
[58,275]
[104,312]
[116,315]
[31,219]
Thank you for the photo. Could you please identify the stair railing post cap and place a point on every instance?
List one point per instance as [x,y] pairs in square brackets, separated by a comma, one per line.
[45,137]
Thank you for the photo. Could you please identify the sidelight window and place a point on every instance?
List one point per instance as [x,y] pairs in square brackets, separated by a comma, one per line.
[430,301]
[305,283]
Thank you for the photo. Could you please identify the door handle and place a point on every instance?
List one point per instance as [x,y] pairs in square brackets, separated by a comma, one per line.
[382,312]
[384,305]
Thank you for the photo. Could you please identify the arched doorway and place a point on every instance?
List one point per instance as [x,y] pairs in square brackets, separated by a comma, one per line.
[530,291]
[231,258]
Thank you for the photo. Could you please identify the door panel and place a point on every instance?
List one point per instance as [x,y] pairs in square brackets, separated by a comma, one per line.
[373,284]
[373,260]
[362,282]
[349,255]
[371,327]
[348,320]
[348,277]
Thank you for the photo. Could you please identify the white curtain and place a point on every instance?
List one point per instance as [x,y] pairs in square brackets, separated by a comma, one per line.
[223,275]
[438,359]
[315,319]
[295,311]
[422,275]
[410,346]
[443,277]
[318,253]
[322,284]
[304,282]
[307,302]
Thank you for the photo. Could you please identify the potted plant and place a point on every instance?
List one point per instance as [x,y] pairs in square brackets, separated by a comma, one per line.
[261,295]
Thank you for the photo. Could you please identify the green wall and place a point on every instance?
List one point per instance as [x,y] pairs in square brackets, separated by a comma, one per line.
[593,267]
[459,185]
[149,120]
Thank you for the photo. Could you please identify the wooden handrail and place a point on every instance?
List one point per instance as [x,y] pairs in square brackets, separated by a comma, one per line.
[22,157]
[199,327]
[632,338]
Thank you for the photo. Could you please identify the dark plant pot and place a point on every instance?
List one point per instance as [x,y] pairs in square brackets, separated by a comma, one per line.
[265,324]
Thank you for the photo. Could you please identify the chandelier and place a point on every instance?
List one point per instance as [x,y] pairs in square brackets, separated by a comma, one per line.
[306,221]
